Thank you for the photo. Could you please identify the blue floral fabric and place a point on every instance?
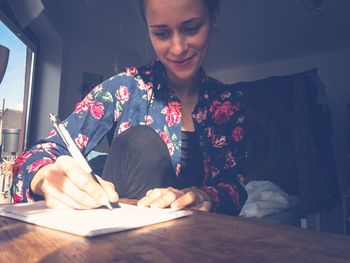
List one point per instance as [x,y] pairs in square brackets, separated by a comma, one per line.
[142,97]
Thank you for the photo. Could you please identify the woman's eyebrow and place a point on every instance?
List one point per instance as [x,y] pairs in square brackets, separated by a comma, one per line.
[189,21]
[158,26]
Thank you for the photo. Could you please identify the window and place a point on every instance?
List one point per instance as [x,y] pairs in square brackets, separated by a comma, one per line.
[15,90]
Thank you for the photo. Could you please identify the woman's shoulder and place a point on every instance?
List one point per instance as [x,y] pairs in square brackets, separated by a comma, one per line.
[130,76]
[127,72]
[135,72]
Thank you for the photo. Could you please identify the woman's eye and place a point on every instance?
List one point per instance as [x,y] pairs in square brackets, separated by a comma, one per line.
[191,30]
[161,35]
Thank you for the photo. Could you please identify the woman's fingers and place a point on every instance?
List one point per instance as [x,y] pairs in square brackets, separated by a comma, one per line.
[57,184]
[110,190]
[65,184]
[165,197]
[204,206]
[84,181]
[193,200]
[52,202]
[55,198]
[160,197]
[184,200]
[150,197]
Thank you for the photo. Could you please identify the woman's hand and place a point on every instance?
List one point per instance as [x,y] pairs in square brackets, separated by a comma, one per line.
[193,198]
[64,184]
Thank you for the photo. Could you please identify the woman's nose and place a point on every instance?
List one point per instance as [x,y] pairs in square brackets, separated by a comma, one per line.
[178,45]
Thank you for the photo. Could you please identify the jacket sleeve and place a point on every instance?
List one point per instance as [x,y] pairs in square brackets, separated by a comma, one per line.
[92,118]
[225,168]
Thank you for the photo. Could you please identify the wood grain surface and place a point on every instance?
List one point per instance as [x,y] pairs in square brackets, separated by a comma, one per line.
[202,237]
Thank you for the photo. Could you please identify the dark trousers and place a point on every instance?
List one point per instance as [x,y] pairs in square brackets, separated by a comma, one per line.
[138,161]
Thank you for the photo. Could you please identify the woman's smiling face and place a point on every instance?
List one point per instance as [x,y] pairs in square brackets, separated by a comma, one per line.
[179,31]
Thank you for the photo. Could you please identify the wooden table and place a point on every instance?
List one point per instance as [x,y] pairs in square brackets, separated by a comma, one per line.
[202,237]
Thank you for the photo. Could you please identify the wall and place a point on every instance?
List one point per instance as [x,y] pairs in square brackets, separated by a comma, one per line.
[83,55]
[46,91]
[333,69]
[63,57]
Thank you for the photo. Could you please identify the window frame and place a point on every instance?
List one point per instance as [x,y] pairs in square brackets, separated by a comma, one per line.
[29,39]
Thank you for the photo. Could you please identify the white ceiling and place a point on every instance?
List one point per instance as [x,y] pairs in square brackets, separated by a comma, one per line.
[250,31]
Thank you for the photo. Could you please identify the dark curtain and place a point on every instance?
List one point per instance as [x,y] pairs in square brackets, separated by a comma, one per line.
[289,138]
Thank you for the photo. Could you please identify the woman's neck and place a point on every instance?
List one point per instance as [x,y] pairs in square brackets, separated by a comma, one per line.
[188,93]
[184,88]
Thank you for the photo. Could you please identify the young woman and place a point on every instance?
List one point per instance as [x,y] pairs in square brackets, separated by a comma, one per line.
[179,135]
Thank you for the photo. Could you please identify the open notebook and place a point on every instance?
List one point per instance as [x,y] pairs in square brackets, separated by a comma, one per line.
[92,222]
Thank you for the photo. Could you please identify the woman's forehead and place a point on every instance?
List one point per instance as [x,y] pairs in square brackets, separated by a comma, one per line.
[169,11]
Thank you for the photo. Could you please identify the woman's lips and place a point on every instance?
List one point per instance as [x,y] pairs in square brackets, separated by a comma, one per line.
[181,63]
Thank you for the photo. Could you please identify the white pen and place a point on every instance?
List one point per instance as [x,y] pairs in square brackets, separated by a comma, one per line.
[75,152]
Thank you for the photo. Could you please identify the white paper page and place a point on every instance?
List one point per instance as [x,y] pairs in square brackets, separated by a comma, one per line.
[90,222]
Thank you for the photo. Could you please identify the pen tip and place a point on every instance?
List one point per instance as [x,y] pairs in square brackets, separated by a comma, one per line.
[109,206]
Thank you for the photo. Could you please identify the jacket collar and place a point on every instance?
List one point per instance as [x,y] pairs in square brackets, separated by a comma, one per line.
[155,72]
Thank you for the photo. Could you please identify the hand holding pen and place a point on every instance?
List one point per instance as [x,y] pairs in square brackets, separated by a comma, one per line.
[69,183]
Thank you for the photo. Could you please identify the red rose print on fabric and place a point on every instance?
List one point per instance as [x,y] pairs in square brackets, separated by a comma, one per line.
[141,85]
[218,108]
[34,167]
[46,146]
[149,120]
[172,113]
[123,94]
[219,141]
[225,95]
[229,160]
[123,127]
[84,105]
[81,140]
[18,196]
[210,132]
[98,88]
[19,162]
[237,134]
[201,115]
[52,133]
[221,112]
[97,110]
[131,71]
[168,142]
